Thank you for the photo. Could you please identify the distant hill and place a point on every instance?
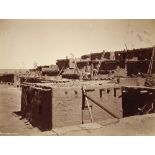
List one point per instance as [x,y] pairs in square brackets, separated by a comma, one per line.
[12,70]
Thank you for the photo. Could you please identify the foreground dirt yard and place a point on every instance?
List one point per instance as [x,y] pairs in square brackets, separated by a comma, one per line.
[12,125]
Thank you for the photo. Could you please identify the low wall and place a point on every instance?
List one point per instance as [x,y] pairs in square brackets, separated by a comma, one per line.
[7,78]
[132,81]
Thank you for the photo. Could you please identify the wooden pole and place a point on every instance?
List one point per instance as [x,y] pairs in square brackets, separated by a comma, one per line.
[91,117]
[61,71]
[151,62]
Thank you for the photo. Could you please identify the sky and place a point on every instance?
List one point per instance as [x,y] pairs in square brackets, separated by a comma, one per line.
[26,42]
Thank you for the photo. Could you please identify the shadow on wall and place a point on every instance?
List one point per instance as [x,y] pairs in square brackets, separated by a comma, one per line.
[36,107]
[138,101]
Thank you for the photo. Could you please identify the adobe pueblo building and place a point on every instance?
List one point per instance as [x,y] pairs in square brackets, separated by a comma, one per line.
[95,87]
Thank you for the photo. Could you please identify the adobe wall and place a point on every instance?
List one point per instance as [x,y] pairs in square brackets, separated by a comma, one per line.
[108,97]
[36,106]
[7,78]
[66,106]
[50,107]
[132,81]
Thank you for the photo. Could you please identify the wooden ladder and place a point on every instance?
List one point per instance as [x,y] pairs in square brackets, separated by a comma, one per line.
[85,100]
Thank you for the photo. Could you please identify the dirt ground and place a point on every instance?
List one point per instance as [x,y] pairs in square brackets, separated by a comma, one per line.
[12,125]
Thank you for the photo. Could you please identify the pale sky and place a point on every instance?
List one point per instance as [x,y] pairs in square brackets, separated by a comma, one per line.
[23,42]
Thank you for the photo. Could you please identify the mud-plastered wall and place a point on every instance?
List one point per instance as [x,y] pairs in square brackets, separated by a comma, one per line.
[66,106]
[36,106]
[53,107]
[109,97]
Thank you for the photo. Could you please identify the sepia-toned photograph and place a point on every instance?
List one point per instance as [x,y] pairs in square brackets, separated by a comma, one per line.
[77,77]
